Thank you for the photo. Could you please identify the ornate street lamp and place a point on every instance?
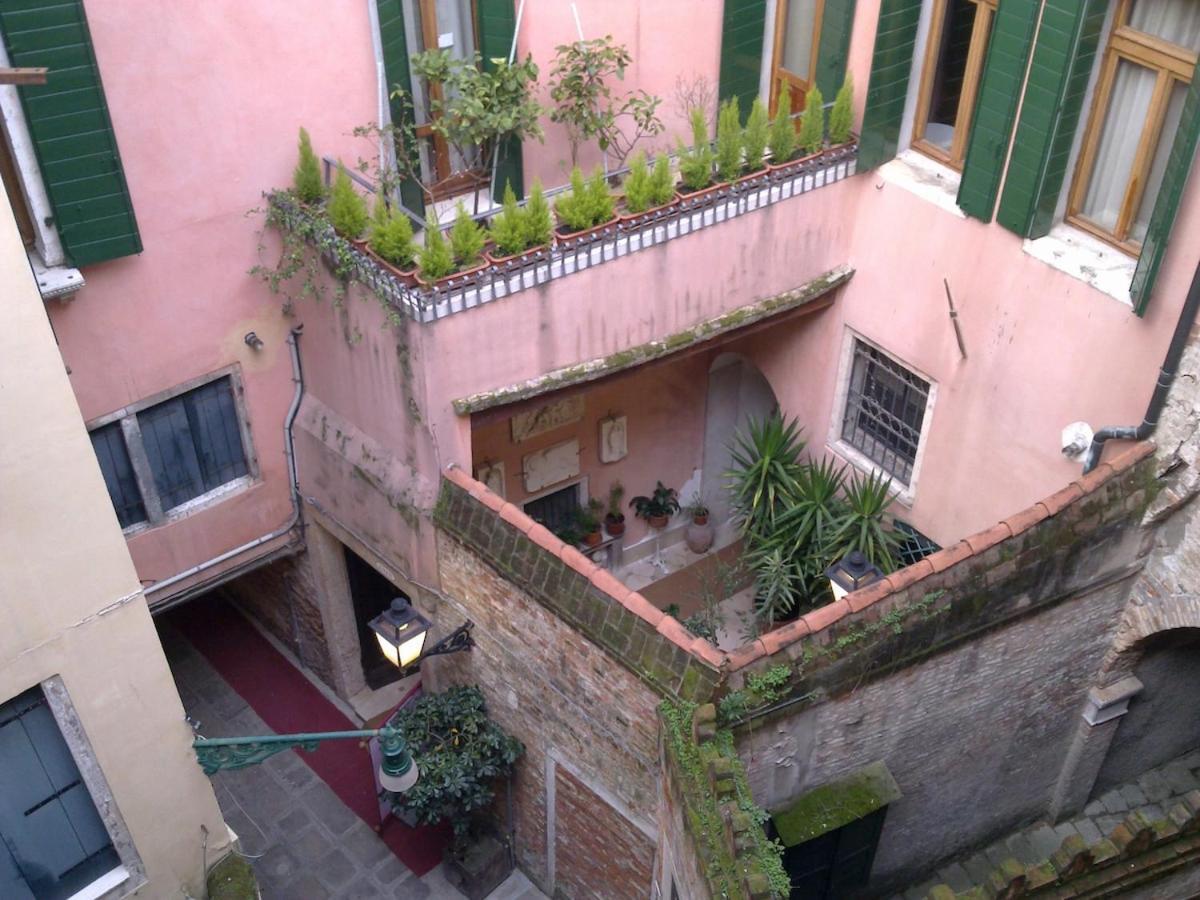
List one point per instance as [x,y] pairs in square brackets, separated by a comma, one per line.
[851,572]
[401,632]
[397,772]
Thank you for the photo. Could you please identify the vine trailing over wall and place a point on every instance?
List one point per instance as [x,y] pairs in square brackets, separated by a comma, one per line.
[757,860]
[307,237]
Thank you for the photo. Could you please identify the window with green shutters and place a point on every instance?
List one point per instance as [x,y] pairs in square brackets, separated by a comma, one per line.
[887,91]
[71,129]
[497,22]
[742,27]
[1064,57]
[996,108]
[394,45]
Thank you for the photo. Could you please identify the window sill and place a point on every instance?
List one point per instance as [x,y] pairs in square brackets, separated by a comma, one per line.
[928,179]
[54,281]
[1086,258]
[903,493]
[195,505]
[103,886]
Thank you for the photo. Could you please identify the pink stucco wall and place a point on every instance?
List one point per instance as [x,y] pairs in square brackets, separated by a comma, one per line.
[204,125]
[669,40]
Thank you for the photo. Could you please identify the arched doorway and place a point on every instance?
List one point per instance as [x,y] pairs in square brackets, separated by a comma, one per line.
[1163,721]
[737,392]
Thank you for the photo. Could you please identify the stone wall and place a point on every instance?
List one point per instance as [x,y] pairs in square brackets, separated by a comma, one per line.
[589,728]
[965,673]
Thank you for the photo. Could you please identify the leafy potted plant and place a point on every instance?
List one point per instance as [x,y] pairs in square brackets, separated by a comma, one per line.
[587,208]
[699,534]
[614,520]
[658,508]
[460,754]
[588,520]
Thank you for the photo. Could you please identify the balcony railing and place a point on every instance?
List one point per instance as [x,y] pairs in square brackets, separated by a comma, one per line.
[566,256]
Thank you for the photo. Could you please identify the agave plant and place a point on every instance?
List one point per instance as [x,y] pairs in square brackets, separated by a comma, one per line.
[779,584]
[861,526]
[808,527]
[764,480]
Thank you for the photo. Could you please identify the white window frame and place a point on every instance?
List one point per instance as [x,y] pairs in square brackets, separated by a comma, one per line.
[132,433]
[129,875]
[904,493]
[55,278]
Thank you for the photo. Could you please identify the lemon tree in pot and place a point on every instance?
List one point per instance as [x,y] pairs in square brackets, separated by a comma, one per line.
[658,508]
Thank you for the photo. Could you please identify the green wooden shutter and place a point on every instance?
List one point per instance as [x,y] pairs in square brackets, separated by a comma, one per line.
[996,106]
[71,129]
[1158,232]
[891,65]
[497,23]
[394,44]
[837,21]
[1063,59]
[741,51]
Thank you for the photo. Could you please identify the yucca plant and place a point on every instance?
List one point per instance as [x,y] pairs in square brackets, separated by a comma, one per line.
[862,523]
[779,586]
[764,478]
[807,528]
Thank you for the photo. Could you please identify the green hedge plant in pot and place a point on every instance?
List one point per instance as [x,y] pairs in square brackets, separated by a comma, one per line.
[520,231]
[587,207]
[390,240]
[696,162]
[461,755]
[755,138]
[306,180]
[614,519]
[657,508]
[648,189]
[346,207]
[841,116]
[781,138]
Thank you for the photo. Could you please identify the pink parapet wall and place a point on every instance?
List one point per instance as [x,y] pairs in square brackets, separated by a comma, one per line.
[204,126]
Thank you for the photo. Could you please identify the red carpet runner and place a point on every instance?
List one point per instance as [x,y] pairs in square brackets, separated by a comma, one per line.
[288,703]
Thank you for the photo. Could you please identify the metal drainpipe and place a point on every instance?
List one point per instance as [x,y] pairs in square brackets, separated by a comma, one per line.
[289,450]
[1166,376]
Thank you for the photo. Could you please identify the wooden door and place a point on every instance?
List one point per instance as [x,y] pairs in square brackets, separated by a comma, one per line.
[794,59]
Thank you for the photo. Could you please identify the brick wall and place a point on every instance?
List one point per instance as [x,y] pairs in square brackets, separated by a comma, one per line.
[571,705]
[283,596]
[966,674]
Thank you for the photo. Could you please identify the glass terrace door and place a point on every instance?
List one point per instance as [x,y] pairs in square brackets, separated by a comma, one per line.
[441,25]
[797,33]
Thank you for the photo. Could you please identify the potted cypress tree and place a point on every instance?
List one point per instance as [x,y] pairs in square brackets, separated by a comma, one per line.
[648,190]
[390,241]
[696,162]
[587,209]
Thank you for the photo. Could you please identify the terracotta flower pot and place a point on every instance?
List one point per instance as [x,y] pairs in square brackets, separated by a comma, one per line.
[750,179]
[453,279]
[534,254]
[614,527]
[629,219]
[658,521]
[563,234]
[792,166]
[690,197]
[406,275]
[593,539]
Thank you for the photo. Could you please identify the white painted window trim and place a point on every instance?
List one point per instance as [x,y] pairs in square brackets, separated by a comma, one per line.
[925,177]
[904,493]
[132,434]
[580,482]
[102,885]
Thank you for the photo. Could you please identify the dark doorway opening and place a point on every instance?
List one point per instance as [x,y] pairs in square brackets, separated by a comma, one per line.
[835,865]
[371,594]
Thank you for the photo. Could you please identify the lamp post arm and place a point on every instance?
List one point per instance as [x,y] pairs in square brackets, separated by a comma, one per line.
[217,754]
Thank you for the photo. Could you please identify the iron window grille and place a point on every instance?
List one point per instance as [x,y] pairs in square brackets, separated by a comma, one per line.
[913,546]
[885,407]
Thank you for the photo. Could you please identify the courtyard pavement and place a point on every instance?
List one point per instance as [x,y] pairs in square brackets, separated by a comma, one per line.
[303,842]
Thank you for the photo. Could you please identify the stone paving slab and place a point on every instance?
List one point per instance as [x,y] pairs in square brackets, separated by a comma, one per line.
[303,842]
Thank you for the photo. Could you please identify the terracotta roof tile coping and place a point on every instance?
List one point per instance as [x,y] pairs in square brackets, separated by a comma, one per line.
[600,578]
[820,618]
